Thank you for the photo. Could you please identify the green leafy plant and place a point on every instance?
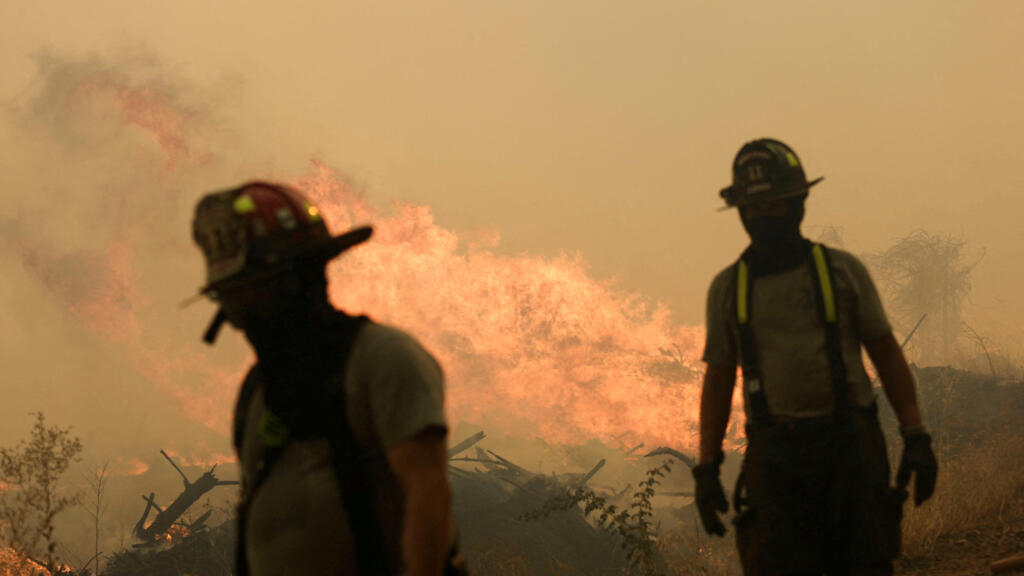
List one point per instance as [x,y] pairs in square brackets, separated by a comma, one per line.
[631,523]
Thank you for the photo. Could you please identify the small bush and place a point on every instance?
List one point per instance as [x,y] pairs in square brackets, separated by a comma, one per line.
[31,499]
[632,523]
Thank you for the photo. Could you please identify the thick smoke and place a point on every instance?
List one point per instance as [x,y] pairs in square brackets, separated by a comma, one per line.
[108,156]
[104,159]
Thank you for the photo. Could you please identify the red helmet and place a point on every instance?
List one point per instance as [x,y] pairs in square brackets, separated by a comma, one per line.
[260,229]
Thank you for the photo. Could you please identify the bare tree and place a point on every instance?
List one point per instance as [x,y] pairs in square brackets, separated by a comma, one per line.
[96,508]
[924,273]
[31,472]
[982,344]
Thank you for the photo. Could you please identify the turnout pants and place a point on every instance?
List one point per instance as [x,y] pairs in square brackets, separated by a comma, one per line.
[814,498]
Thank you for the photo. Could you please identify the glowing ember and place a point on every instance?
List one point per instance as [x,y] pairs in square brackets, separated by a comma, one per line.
[175,533]
[14,564]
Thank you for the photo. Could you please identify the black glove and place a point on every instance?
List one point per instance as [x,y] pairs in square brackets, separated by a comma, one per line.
[710,496]
[919,459]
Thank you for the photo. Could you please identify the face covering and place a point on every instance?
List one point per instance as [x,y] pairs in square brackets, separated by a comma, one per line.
[294,360]
[771,233]
[776,242]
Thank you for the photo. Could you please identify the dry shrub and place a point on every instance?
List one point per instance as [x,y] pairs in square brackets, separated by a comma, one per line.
[982,485]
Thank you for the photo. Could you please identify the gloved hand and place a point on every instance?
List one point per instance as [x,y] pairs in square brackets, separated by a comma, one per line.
[710,496]
[919,459]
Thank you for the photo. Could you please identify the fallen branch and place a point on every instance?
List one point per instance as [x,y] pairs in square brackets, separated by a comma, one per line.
[482,460]
[666,451]
[1008,564]
[466,444]
[168,516]
[488,462]
[593,471]
[511,466]
[634,448]
[183,477]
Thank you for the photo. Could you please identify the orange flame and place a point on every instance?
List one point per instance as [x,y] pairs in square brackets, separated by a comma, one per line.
[128,467]
[13,563]
[205,461]
[102,287]
[148,108]
[175,533]
[529,344]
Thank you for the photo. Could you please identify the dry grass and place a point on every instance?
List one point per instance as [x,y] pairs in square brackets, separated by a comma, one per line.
[502,560]
[688,553]
[979,486]
[982,485]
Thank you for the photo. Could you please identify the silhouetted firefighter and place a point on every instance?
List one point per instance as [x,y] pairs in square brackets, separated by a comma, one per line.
[340,425]
[813,496]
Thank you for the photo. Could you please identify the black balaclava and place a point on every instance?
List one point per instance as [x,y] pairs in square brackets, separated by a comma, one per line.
[294,351]
[776,243]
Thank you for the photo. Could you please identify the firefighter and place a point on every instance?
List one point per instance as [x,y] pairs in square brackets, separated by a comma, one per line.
[339,426]
[814,493]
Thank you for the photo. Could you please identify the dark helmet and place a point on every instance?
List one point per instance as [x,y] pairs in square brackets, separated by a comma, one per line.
[259,230]
[765,170]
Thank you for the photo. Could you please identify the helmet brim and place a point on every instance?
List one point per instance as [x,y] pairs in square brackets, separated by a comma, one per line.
[792,192]
[322,251]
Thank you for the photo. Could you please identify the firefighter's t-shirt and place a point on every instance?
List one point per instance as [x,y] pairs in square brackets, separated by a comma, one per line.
[394,390]
[789,333]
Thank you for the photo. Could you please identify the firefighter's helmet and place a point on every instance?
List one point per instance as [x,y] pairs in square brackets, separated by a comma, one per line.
[765,170]
[259,230]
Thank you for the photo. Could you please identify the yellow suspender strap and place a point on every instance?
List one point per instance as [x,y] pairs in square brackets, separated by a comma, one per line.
[742,286]
[824,279]
[827,295]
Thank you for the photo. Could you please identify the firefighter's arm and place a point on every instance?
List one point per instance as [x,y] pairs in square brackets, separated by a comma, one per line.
[420,465]
[897,381]
[715,407]
[918,460]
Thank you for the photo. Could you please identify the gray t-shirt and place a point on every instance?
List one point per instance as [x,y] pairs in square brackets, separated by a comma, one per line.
[789,334]
[394,390]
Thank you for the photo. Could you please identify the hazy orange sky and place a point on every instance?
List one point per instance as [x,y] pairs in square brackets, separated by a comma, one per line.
[608,127]
[603,128]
